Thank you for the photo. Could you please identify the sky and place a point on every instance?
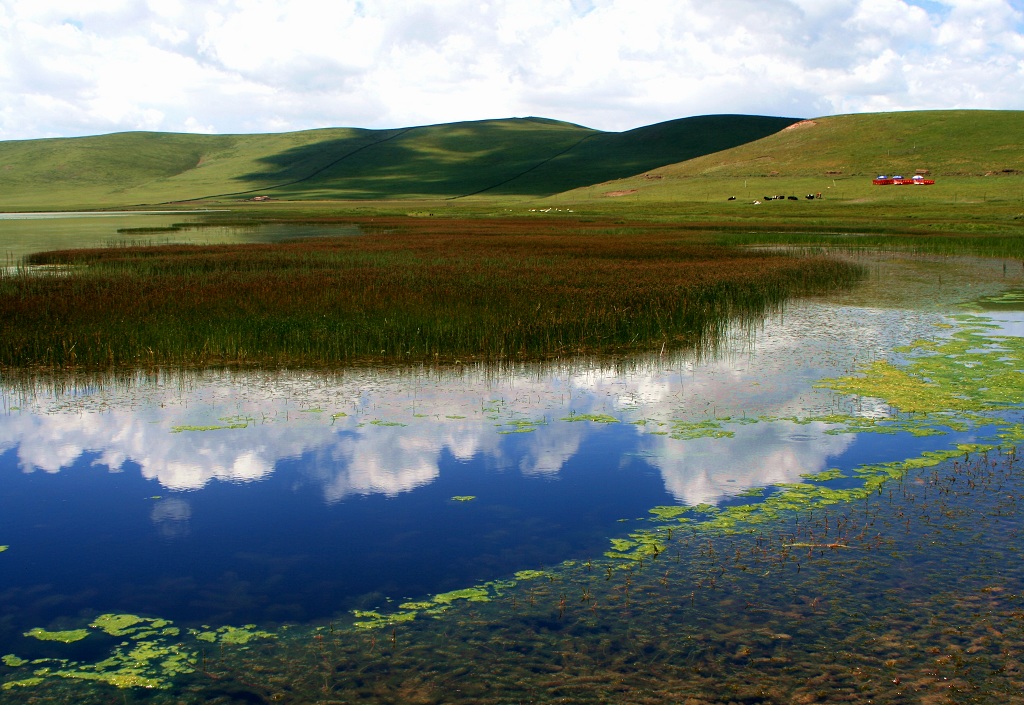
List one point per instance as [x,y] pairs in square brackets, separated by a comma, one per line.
[70,68]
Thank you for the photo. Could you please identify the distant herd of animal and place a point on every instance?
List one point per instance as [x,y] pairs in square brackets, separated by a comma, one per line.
[809,197]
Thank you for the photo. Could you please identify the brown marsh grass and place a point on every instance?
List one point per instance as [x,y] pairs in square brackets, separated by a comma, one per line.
[408,290]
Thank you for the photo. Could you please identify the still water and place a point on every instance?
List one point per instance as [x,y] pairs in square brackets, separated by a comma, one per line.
[299,503]
[24,233]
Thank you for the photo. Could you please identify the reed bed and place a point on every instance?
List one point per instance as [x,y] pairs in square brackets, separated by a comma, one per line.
[427,290]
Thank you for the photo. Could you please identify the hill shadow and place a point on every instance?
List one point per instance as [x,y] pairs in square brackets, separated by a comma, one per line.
[522,156]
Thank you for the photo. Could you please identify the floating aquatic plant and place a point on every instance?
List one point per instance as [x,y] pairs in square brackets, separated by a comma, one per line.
[216,427]
[65,637]
[687,431]
[594,418]
[149,660]
[231,635]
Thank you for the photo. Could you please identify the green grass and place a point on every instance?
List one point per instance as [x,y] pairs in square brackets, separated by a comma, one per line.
[514,157]
[972,155]
[413,290]
[946,142]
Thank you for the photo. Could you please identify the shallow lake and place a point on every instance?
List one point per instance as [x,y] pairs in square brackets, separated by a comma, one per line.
[24,233]
[532,532]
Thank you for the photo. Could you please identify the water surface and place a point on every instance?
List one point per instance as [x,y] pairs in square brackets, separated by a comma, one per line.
[291,500]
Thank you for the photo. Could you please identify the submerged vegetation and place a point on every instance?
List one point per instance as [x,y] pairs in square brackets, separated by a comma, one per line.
[419,290]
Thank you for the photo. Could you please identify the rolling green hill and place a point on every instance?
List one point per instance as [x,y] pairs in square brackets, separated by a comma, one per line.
[845,152]
[514,157]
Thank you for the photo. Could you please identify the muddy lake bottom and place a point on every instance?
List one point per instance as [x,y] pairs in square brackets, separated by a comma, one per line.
[533,534]
[911,596]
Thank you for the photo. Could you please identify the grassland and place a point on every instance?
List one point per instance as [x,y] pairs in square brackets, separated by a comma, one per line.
[518,157]
[410,290]
[976,157]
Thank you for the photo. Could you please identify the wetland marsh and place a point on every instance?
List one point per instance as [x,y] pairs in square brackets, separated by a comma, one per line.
[463,436]
[821,502]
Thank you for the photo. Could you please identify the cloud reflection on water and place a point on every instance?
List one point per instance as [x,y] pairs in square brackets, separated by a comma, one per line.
[367,432]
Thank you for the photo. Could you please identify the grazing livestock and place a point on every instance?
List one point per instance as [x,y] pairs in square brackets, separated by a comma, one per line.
[793,198]
[809,197]
[731,198]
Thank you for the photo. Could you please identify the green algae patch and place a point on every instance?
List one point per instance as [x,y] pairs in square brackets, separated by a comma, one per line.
[65,637]
[434,607]
[119,624]
[370,619]
[217,427]
[118,679]
[638,546]
[1013,298]
[378,422]
[23,683]
[473,594]
[899,387]
[463,498]
[824,475]
[3,548]
[232,635]
[594,418]
[142,664]
[522,426]
[416,606]
[691,430]
[974,370]
[668,513]
[151,658]
[532,574]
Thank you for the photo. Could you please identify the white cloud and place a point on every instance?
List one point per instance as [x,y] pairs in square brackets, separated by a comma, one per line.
[252,65]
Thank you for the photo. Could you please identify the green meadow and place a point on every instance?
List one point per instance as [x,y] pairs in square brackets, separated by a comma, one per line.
[497,240]
[526,157]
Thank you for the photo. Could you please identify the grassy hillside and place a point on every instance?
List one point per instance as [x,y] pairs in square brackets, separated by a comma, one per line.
[515,157]
[841,154]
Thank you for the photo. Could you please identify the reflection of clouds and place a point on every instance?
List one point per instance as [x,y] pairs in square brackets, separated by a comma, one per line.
[388,461]
[171,517]
[549,448]
[708,470]
[340,425]
[1011,323]
[178,461]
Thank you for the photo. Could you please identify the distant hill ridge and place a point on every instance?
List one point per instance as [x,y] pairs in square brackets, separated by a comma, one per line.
[513,157]
[519,157]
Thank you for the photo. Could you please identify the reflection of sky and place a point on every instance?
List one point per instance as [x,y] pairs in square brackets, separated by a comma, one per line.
[367,432]
[1011,323]
[708,470]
